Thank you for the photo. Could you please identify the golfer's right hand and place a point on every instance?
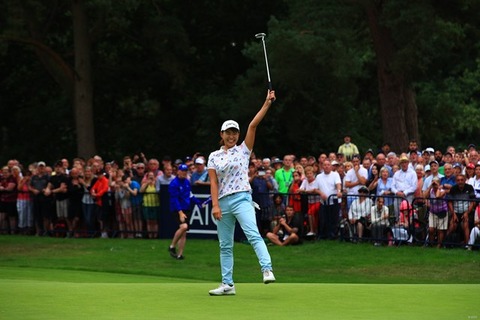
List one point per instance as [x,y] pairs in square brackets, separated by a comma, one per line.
[217,212]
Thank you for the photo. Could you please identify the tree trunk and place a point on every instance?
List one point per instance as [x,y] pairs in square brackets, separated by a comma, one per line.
[397,99]
[60,71]
[83,97]
[411,115]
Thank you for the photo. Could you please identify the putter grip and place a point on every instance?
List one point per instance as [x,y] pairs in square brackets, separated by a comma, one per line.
[270,87]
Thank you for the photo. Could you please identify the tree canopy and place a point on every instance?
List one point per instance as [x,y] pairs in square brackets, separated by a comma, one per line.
[164,75]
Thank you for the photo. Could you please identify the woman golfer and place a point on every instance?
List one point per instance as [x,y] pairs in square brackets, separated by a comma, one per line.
[232,200]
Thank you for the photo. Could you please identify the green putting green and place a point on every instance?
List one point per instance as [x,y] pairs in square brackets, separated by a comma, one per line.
[30,293]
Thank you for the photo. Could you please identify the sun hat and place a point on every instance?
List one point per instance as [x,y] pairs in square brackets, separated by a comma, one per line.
[403,159]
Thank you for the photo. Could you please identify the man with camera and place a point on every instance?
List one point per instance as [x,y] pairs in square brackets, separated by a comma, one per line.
[287,229]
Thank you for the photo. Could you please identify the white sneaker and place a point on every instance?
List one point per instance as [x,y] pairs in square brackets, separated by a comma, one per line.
[310,234]
[104,235]
[268,277]
[223,290]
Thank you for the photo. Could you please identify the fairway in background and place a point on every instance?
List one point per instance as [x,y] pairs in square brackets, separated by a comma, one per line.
[312,262]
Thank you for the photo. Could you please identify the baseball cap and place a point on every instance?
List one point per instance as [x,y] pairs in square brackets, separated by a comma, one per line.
[457,165]
[335,163]
[230,124]
[41,163]
[433,161]
[183,167]
[199,161]
[471,145]
[277,160]
[471,166]
[427,168]
[430,150]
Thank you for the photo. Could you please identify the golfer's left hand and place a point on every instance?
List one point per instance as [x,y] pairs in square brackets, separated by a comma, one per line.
[271,95]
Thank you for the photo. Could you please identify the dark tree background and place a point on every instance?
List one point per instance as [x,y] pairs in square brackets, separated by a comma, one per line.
[119,77]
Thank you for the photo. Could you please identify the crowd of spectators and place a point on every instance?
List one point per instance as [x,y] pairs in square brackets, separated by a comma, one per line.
[427,196]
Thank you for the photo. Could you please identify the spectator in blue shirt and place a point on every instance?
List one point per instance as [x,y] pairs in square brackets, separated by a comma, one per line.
[448,181]
[180,204]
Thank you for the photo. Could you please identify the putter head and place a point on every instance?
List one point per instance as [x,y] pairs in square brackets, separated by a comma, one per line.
[260,35]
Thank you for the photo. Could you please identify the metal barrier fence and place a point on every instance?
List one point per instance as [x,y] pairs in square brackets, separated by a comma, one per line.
[352,218]
[39,215]
[423,221]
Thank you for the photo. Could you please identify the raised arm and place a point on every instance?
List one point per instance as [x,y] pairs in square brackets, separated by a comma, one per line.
[252,127]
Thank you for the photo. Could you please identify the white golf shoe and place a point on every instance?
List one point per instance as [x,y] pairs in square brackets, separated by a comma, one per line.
[268,277]
[223,290]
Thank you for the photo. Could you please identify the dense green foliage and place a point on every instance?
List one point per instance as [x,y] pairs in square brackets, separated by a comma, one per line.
[167,73]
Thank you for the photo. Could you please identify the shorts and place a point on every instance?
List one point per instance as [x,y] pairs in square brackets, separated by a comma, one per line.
[150,213]
[62,208]
[187,213]
[313,208]
[137,212]
[437,223]
[363,221]
[125,212]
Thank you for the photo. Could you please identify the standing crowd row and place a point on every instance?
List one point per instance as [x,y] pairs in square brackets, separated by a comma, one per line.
[297,197]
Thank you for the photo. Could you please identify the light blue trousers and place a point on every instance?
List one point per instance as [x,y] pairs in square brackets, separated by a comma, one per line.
[239,207]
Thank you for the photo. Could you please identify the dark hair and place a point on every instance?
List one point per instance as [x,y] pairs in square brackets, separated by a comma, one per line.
[278,196]
[376,165]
